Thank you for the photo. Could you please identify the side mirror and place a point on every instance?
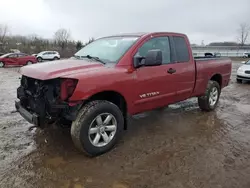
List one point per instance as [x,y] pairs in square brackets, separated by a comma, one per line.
[153,58]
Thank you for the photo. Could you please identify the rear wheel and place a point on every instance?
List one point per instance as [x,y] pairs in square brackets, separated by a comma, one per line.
[55,58]
[2,64]
[209,100]
[97,127]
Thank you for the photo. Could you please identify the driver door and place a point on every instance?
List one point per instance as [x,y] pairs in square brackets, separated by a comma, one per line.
[50,55]
[155,87]
[12,59]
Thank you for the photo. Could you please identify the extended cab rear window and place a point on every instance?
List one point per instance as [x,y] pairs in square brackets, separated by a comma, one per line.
[181,49]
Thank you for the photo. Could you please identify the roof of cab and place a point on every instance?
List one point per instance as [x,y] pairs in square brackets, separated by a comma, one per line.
[140,34]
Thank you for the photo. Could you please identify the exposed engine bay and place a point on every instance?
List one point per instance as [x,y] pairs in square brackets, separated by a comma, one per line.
[46,99]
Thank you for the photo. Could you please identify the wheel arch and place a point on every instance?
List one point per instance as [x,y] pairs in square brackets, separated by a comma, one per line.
[218,78]
[114,97]
[29,61]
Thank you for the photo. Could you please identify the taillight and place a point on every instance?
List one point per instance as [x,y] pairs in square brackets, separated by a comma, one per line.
[68,86]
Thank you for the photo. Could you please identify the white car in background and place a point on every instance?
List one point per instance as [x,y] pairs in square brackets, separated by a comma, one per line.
[243,72]
[48,55]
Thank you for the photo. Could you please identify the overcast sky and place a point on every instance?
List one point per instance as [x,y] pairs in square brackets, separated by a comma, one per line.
[208,20]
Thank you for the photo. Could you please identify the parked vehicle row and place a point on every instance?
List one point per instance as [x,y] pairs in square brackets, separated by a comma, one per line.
[21,59]
[115,77]
[212,54]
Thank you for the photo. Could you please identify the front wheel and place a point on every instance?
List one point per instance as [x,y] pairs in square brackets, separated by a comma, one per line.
[2,64]
[97,127]
[209,100]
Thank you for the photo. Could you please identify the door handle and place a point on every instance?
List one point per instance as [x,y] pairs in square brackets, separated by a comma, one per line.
[171,71]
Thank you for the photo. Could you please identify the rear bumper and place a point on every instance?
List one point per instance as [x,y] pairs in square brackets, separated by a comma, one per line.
[243,78]
[31,118]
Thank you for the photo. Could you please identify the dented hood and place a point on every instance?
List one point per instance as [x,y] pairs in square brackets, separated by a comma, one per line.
[60,68]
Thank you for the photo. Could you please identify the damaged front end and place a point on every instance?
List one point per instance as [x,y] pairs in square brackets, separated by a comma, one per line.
[42,102]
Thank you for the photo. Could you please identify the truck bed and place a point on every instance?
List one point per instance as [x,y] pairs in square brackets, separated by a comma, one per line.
[206,68]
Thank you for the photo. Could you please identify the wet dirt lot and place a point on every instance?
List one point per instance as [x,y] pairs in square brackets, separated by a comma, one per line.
[178,147]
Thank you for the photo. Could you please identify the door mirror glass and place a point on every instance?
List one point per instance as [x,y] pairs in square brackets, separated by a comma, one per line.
[152,58]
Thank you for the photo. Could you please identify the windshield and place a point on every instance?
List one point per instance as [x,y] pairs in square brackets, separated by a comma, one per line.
[109,50]
[5,55]
[248,62]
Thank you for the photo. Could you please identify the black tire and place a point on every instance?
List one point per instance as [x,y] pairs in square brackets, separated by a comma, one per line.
[39,59]
[2,64]
[239,81]
[80,127]
[203,101]
[55,58]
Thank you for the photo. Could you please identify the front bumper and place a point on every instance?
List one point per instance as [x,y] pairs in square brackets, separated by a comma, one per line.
[243,78]
[31,118]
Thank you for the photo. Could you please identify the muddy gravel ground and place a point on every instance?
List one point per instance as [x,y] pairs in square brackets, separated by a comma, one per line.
[178,147]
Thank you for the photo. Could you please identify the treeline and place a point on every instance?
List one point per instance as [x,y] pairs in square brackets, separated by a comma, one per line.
[243,35]
[33,44]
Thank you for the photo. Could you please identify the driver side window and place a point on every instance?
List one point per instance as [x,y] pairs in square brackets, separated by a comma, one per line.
[159,43]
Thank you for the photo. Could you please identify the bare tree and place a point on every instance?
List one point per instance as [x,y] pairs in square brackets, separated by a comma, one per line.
[243,33]
[89,41]
[3,33]
[62,37]
[79,45]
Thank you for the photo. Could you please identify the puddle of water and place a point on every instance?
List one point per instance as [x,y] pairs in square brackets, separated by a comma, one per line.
[71,184]
[119,185]
[55,162]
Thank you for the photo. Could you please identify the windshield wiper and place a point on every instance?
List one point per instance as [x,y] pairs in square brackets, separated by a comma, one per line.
[95,58]
[76,56]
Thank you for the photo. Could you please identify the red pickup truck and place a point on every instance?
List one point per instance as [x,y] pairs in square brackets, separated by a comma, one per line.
[114,77]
